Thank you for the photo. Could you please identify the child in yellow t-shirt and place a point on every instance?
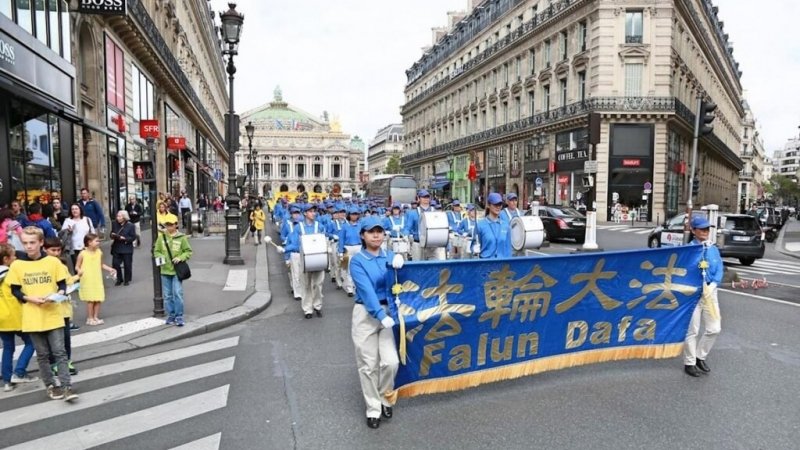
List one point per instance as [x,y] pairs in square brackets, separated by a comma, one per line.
[11,326]
[39,282]
[53,247]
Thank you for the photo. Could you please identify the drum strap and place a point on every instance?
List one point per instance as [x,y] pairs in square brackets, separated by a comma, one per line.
[509,214]
[303,228]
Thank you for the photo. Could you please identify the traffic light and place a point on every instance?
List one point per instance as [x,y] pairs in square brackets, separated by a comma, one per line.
[707,109]
[695,186]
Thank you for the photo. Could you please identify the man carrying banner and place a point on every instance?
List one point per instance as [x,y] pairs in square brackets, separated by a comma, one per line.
[707,309]
[493,234]
[373,338]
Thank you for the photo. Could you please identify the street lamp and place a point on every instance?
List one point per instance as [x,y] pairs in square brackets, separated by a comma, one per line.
[250,129]
[231,31]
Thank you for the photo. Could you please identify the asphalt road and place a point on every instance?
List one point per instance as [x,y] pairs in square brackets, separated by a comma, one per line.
[293,384]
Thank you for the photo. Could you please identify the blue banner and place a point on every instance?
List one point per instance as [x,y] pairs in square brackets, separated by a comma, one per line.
[470,322]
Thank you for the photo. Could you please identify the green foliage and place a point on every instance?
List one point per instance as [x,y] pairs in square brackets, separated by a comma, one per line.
[784,188]
[393,165]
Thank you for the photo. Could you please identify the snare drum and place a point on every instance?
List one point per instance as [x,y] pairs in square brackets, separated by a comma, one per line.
[527,232]
[313,252]
[434,230]
[400,246]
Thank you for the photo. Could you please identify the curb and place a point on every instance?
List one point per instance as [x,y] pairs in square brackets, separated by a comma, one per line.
[780,246]
[254,304]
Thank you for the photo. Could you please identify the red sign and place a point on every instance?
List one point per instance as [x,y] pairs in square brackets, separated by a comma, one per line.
[472,174]
[563,180]
[551,167]
[631,162]
[149,129]
[176,142]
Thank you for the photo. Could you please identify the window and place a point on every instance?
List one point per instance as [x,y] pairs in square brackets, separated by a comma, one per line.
[40,17]
[518,68]
[300,170]
[531,61]
[563,45]
[317,170]
[633,80]
[547,53]
[582,85]
[505,75]
[518,104]
[337,171]
[582,35]
[142,95]
[505,112]
[115,75]
[563,85]
[531,103]
[24,17]
[494,116]
[284,170]
[633,27]
[266,169]
[5,8]
[546,98]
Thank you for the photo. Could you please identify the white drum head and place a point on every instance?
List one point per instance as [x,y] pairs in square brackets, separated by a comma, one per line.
[434,230]
[527,232]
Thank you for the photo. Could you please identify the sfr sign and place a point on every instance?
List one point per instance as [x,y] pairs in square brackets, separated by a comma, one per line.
[149,129]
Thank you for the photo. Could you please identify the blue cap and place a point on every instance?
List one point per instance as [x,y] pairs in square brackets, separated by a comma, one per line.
[700,222]
[456,203]
[511,196]
[340,208]
[294,209]
[309,207]
[423,193]
[354,210]
[470,207]
[396,205]
[370,223]
[494,198]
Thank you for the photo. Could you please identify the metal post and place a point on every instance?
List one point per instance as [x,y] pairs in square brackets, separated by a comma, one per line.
[692,169]
[158,296]
[233,251]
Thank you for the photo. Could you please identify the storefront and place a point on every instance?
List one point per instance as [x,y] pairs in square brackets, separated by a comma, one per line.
[630,165]
[572,151]
[496,159]
[37,111]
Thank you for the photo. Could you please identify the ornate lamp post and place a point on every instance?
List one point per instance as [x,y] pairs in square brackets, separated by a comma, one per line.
[250,129]
[231,31]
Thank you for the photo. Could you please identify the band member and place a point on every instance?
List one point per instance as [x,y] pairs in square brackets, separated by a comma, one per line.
[454,218]
[395,223]
[467,230]
[707,309]
[334,227]
[418,253]
[349,245]
[494,235]
[311,282]
[292,257]
[373,337]
[511,211]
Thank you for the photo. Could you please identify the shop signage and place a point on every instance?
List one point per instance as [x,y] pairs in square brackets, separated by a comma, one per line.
[563,179]
[7,52]
[551,167]
[149,129]
[631,162]
[573,155]
[103,7]
[176,142]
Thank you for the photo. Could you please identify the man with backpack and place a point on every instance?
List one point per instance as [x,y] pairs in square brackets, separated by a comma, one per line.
[92,210]
[36,219]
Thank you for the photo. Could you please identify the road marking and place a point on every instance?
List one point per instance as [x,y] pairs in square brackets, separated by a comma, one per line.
[121,427]
[760,297]
[206,443]
[772,283]
[48,409]
[134,364]
[237,280]
[760,270]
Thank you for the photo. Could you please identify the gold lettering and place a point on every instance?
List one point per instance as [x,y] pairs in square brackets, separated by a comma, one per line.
[591,280]
[460,358]
[529,340]
[646,330]
[505,355]
[446,326]
[582,328]
[482,349]
[527,304]
[602,333]
[430,357]
[622,328]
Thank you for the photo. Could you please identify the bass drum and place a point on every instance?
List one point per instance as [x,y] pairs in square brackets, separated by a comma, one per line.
[527,232]
[434,230]
[313,252]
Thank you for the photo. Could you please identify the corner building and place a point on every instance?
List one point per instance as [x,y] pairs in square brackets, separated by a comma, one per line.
[512,83]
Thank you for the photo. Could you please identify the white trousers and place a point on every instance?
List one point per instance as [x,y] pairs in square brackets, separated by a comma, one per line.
[376,359]
[707,313]
[333,262]
[294,275]
[420,253]
[312,291]
[347,281]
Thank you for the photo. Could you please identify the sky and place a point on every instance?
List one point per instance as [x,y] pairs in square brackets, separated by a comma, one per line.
[349,57]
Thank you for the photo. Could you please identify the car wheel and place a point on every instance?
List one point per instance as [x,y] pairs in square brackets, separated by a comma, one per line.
[653,242]
[747,261]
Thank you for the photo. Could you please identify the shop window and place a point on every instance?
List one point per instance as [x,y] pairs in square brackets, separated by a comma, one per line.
[35,155]
[631,140]
[115,75]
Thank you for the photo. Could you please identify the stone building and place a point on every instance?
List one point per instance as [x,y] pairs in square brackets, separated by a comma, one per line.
[295,151]
[516,81]
[388,142]
[752,153]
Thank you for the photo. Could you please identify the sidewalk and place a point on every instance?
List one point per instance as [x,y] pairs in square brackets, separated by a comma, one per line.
[789,240]
[216,296]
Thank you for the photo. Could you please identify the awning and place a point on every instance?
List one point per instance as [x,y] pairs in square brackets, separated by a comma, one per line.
[438,185]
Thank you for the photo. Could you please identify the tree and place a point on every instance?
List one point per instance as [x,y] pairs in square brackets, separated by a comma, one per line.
[393,165]
[784,188]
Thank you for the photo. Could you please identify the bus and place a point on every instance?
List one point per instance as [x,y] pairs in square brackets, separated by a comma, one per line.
[388,189]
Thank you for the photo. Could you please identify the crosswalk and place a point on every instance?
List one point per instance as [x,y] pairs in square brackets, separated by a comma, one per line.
[30,421]
[625,229]
[764,267]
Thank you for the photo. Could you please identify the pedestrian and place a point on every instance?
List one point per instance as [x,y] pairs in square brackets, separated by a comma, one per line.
[163,216]
[59,213]
[123,234]
[707,310]
[10,229]
[34,280]
[257,219]
[135,212]
[185,205]
[53,247]
[172,247]
[92,291]
[493,234]
[11,327]
[75,228]
[36,219]
[92,209]
[371,329]
[218,205]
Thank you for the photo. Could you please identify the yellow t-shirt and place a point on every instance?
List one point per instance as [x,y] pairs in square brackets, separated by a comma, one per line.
[39,279]
[10,309]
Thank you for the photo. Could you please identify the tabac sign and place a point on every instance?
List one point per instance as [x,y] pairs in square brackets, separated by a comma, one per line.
[103,7]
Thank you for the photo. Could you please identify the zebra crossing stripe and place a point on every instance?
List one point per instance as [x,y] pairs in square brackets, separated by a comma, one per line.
[206,443]
[134,364]
[48,409]
[777,265]
[121,427]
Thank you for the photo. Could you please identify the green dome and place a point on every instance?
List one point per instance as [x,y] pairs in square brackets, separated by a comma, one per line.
[279,115]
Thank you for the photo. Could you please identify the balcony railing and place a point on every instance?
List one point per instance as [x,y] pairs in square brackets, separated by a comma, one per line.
[745,176]
[633,39]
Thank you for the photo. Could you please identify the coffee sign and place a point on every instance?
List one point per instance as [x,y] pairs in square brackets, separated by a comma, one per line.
[103,7]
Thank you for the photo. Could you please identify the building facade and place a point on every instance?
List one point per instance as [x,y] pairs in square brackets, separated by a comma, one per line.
[295,151]
[751,177]
[387,143]
[516,81]
[787,160]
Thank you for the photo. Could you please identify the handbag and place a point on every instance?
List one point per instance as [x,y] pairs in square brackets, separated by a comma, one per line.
[182,270]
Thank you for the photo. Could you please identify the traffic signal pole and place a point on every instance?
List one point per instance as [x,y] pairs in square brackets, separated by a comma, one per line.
[702,126]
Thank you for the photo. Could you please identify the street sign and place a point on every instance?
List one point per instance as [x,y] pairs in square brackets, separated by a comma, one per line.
[615,196]
[149,129]
[538,182]
[648,191]
[590,166]
[176,142]
[648,185]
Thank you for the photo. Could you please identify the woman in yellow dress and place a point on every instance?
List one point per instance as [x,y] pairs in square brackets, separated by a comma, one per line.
[92,291]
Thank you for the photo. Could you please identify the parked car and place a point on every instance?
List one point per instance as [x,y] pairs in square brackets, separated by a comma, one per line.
[769,217]
[562,222]
[739,236]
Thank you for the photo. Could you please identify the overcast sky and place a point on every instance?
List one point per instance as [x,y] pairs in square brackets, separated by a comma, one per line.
[349,57]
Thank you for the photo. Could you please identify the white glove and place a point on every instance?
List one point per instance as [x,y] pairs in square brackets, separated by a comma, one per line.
[476,249]
[387,322]
[335,238]
[267,239]
[712,285]
[341,255]
[398,261]
[280,249]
